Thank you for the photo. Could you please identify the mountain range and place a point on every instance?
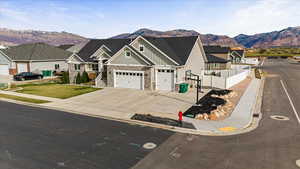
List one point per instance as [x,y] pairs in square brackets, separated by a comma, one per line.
[9,37]
[286,37]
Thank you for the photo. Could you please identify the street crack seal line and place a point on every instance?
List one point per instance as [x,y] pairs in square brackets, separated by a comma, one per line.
[298,163]
[280,118]
[227,129]
[149,146]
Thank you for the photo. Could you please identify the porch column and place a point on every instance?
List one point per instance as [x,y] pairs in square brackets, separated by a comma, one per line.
[100,65]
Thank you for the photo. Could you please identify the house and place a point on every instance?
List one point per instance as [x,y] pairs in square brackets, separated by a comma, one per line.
[34,57]
[92,57]
[146,63]
[4,64]
[155,63]
[237,55]
[73,48]
[218,57]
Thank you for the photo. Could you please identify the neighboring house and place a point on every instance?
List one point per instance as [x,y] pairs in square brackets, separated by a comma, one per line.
[218,57]
[4,64]
[237,56]
[73,48]
[35,57]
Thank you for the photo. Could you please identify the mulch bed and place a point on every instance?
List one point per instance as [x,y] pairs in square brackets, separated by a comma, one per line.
[160,120]
[207,104]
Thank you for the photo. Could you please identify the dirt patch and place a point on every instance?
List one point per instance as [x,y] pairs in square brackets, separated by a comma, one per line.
[160,120]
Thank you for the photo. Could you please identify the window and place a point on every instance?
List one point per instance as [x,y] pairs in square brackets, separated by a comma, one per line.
[142,48]
[95,67]
[127,53]
[77,67]
[56,66]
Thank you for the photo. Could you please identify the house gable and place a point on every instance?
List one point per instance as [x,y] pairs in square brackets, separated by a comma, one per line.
[151,52]
[120,58]
[3,58]
[74,59]
[102,52]
[196,60]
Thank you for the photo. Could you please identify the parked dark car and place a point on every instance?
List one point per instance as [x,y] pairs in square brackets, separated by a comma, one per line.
[27,76]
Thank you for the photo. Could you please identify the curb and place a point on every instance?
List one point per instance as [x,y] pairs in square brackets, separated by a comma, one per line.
[253,123]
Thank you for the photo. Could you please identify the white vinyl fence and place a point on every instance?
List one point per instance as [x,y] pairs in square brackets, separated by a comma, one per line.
[253,61]
[224,79]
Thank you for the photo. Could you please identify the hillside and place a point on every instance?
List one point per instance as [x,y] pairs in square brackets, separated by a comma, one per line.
[286,37]
[10,37]
[207,39]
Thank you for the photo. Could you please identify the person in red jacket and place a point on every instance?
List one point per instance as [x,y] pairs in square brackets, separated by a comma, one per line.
[180,117]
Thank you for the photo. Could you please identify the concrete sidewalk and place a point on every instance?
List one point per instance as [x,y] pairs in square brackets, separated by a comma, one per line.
[50,99]
[240,118]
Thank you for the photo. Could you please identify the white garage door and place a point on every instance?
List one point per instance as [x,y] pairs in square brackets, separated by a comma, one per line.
[4,70]
[165,79]
[128,79]
[22,67]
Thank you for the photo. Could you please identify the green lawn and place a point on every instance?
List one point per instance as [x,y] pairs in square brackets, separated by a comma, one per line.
[23,99]
[60,91]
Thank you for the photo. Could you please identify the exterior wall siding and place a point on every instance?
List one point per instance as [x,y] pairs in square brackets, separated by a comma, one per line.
[152,53]
[3,60]
[196,62]
[224,56]
[147,74]
[73,73]
[217,66]
[38,67]
[132,60]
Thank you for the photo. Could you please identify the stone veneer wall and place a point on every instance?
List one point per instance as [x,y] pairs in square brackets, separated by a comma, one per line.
[147,74]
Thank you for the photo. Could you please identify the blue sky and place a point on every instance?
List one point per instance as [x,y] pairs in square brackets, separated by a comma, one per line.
[106,18]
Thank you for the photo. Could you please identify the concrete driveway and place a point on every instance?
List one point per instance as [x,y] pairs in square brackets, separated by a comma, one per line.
[123,103]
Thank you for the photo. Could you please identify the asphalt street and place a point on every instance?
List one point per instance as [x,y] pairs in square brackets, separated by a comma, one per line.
[274,144]
[34,138]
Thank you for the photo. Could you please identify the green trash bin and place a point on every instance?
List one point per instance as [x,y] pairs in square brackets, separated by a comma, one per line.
[47,73]
[183,87]
[44,73]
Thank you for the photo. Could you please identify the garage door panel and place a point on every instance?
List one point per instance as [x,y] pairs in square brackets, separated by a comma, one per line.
[4,70]
[165,79]
[132,80]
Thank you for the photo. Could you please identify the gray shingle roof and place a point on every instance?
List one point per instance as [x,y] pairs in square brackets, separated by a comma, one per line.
[216,49]
[215,59]
[211,50]
[36,51]
[93,45]
[65,47]
[177,48]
